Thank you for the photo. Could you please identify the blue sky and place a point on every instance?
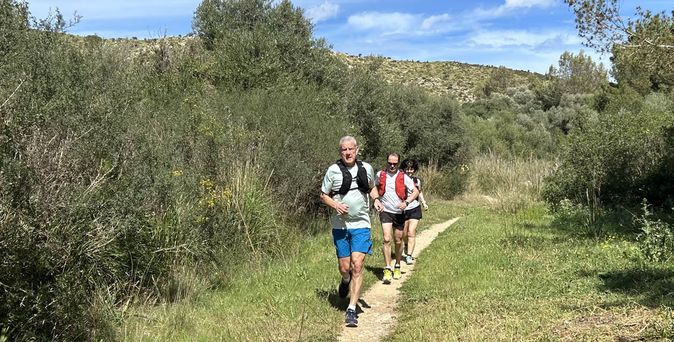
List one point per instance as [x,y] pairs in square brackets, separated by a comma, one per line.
[519,34]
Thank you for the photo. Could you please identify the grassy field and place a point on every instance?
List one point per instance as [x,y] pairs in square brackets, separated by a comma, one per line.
[491,276]
[280,300]
[521,276]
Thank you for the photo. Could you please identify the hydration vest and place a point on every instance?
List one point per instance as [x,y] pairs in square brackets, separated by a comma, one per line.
[347,179]
[415,180]
[400,184]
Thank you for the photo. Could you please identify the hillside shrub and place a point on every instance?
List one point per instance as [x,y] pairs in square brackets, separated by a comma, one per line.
[656,237]
[614,159]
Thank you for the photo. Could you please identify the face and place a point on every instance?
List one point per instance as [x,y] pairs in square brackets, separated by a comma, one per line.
[392,163]
[348,152]
[410,171]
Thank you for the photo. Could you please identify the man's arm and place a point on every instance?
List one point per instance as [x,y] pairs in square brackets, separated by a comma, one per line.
[374,193]
[415,190]
[413,195]
[341,208]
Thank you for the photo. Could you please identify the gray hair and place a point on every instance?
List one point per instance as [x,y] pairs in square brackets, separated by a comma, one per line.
[347,138]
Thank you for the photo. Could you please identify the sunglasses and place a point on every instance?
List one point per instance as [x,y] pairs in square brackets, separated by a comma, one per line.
[392,164]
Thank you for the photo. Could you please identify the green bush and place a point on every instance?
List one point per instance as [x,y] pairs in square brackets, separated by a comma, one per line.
[614,159]
[656,239]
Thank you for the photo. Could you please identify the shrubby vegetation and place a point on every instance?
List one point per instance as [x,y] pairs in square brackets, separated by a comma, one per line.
[622,155]
[535,120]
[139,174]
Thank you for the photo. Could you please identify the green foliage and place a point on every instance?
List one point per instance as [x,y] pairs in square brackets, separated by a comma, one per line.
[642,45]
[614,158]
[257,44]
[575,74]
[643,61]
[578,74]
[512,124]
[499,80]
[656,239]
[445,183]
[127,172]
[393,118]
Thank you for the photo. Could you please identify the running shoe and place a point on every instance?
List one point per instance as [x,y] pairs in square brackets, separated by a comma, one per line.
[387,275]
[409,260]
[396,272]
[351,318]
[343,289]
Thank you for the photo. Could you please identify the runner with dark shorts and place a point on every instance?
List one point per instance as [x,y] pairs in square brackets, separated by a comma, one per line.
[396,191]
[412,212]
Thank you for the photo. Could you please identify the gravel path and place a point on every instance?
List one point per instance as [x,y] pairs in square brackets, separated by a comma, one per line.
[379,302]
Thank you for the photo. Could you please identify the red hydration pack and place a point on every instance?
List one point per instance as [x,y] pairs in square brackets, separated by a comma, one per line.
[400,184]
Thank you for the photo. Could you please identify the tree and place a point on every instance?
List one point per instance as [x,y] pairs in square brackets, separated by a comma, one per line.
[257,43]
[642,48]
[499,80]
[578,74]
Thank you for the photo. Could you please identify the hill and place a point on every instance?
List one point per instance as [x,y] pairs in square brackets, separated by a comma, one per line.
[461,80]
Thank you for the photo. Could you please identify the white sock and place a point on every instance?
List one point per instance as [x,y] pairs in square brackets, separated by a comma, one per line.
[351,307]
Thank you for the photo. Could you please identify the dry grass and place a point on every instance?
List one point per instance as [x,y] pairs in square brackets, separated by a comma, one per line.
[506,184]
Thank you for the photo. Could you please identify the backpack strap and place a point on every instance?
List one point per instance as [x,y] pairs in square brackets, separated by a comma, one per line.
[399,184]
[401,191]
[347,179]
[382,182]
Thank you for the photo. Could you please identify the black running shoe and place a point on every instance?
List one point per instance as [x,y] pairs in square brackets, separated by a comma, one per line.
[351,318]
[343,289]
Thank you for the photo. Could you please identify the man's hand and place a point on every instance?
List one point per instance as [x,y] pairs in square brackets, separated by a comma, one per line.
[378,205]
[341,208]
[425,205]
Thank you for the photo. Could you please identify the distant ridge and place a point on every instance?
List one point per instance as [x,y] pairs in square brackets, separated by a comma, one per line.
[461,80]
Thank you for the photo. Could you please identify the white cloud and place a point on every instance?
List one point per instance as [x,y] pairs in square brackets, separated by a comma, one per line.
[510,6]
[506,38]
[434,20]
[93,10]
[322,12]
[387,22]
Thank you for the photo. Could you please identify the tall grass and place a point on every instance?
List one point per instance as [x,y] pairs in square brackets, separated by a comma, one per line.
[509,184]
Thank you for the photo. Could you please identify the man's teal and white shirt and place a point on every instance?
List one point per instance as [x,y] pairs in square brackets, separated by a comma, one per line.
[358,202]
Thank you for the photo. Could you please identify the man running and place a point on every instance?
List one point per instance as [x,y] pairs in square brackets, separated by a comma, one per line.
[346,186]
[397,191]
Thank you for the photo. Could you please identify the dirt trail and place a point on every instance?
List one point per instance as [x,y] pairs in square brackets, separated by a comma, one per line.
[379,302]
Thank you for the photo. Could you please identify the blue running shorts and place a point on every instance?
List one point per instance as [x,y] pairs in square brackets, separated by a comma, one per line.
[352,240]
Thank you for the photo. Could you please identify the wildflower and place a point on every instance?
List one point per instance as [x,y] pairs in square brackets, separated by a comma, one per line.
[207,183]
[177,173]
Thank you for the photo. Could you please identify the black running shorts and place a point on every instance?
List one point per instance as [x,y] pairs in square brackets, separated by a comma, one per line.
[398,220]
